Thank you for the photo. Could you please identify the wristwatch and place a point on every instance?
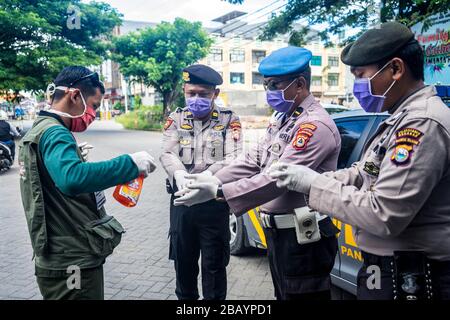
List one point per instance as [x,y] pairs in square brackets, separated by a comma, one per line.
[219,194]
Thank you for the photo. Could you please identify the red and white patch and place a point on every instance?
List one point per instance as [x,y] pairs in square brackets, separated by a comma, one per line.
[303,135]
[168,123]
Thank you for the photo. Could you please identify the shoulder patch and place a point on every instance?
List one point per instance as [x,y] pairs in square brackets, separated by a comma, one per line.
[235,124]
[168,123]
[303,135]
[406,140]
[236,129]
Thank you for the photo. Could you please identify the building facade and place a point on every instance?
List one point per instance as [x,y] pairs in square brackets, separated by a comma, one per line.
[236,53]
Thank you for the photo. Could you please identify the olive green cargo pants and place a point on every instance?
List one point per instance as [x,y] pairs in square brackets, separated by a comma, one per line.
[53,284]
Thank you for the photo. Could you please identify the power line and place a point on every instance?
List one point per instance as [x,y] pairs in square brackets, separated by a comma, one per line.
[246,16]
[258,26]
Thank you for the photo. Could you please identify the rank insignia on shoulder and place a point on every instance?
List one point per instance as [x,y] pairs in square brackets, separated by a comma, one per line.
[168,123]
[188,115]
[406,140]
[215,115]
[219,127]
[186,126]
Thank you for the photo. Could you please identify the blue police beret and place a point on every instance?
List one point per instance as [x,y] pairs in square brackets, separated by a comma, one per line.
[288,60]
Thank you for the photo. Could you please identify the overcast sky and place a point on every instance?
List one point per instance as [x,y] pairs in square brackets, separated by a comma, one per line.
[193,10]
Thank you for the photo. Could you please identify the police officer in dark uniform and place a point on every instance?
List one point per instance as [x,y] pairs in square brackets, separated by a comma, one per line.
[201,138]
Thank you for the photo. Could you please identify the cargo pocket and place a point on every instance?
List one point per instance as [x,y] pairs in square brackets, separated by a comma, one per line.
[104,235]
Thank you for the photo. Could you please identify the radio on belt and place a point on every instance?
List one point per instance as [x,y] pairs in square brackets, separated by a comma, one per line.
[306,225]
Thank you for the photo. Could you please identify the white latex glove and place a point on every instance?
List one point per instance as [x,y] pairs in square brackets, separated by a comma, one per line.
[85,148]
[180,180]
[204,177]
[295,177]
[144,161]
[196,193]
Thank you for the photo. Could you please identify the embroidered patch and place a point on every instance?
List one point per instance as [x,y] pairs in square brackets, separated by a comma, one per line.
[300,141]
[185,142]
[406,140]
[186,126]
[308,126]
[218,127]
[371,169]
[303,135]
[168,123]
[235,124]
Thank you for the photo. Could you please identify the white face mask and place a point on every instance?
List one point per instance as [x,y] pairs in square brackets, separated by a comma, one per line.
[51,88]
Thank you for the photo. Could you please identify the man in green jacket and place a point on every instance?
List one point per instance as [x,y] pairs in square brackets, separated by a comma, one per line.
[62,195]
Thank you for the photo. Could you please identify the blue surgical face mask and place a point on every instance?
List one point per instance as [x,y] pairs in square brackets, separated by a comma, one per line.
[362,90]
[275,99]
[200,107]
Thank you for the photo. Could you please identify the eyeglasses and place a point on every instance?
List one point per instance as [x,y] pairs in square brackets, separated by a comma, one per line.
[273,85]
[93,75]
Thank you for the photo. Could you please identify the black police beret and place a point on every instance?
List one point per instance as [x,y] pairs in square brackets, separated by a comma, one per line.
[377,44]
[201,74]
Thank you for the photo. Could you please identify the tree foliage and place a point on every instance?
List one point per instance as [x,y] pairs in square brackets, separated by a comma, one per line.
[157,55]
[340,14]
[36,41]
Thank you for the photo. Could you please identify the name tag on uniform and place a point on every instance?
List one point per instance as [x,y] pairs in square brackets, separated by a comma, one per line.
[100,198]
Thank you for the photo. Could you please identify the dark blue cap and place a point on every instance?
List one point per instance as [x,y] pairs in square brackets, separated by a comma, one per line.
[288,60]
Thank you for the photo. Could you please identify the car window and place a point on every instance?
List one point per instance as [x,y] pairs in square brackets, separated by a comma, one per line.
[350,131]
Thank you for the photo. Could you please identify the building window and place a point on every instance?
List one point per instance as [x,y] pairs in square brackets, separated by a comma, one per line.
[333,79]
[316,61]
[237,78]
[333,61]
[237,55]
[216,54]
[316,81]
[257,78]
[258,55]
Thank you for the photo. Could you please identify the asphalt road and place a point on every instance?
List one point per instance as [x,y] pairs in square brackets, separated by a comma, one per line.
[139,267]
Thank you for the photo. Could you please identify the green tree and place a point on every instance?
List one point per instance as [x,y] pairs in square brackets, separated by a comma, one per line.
[39,38]
[339,14]
[156,56]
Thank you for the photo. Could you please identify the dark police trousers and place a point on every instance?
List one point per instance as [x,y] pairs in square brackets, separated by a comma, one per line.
[440,275]
[202,228]
[301,271]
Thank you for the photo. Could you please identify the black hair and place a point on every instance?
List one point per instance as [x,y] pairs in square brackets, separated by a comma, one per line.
[73,74]
[413,56]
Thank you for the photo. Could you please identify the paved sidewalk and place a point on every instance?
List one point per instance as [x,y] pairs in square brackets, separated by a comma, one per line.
[139,267]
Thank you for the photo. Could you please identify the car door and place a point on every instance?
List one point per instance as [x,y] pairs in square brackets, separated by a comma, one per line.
[354,131]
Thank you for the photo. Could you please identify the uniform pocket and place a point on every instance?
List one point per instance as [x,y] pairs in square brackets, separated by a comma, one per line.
[104,235]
